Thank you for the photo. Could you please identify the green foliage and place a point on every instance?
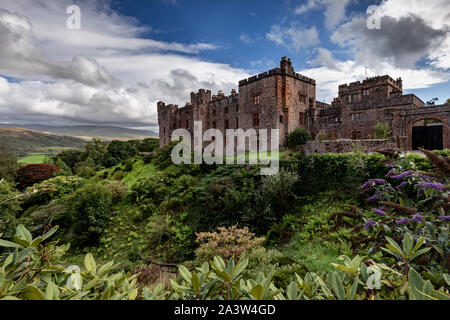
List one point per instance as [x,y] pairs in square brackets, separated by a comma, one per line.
[226,242]
[95,149]
[10,201]
[54,188]
[323,172]
[163,158]
[33,270]
[298,138]
[118,151]
[382,130]
[148,145]
[8,164]
[90,210]
[69,157]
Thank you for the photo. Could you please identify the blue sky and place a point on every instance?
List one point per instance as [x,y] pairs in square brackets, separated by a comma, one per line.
[130,54]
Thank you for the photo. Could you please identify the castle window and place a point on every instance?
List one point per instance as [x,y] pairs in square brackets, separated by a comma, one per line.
[302,98]
[227,110]
[387,114]
[227,124]
[366,92]
[357,116]
[237,109]
[214,124]
[302,118]
[256,119]
[281,119]
[336,119]
[214,113]
[164,129]
[237,123]
[187,124]
[256,99]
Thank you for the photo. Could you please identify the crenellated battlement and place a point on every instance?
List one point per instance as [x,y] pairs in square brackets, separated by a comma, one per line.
[285,69]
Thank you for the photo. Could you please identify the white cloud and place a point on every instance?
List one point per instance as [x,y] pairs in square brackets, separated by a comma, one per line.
[245,38]
[295,37]
[410,32]
[328,79]
[334,10]
[73,74]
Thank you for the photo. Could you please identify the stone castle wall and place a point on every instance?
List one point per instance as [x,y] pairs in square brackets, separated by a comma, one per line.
[285,100]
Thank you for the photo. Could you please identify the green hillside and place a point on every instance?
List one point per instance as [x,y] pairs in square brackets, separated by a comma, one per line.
[24,142]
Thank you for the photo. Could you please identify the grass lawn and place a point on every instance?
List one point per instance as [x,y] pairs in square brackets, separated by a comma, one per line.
[33,158]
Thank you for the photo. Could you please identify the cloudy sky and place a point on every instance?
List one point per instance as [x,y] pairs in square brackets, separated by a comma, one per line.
[130,54]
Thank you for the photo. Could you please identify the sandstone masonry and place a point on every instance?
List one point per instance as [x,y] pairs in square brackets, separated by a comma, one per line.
[285,100]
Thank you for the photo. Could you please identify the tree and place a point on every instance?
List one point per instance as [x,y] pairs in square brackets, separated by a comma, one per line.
[382,130]
[90,210]
[95,149]
[148,145]
[8,164]
[70,157]
[448,101]
[298,138]
[35,173]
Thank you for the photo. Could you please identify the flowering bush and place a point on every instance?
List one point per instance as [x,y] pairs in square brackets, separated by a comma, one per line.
[411,200]
[227,243]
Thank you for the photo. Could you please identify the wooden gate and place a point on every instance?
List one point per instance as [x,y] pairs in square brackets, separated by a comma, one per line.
[427,137]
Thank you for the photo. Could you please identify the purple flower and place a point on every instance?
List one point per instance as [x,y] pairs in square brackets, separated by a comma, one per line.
[445,218]
[372,198]
[380,212]
[430,185]
[390,173]
[389,188]
[369,224]
[379,180]
[417,218]
[402,175]
[366,185]
[402,221]
[402,185]
[389,165]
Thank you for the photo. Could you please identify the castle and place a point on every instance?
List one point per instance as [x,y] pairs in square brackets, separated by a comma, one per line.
[285,100]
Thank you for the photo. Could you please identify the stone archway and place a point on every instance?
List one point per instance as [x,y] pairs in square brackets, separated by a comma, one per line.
[443,131]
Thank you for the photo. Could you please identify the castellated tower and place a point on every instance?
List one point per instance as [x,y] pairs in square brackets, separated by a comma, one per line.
[277,99]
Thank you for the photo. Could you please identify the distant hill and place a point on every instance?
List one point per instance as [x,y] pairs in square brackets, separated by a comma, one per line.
[89,132]
[24,141]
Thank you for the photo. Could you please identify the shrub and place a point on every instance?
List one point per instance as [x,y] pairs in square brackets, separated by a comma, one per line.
[8,164]
[298,138]
[35,173]
[148,158]
[118,175]
[148,145]
[118,190]
[128,165]
[163,158]
[90,211]
[227,242]
[382,130]
[9,208]
[54,188]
